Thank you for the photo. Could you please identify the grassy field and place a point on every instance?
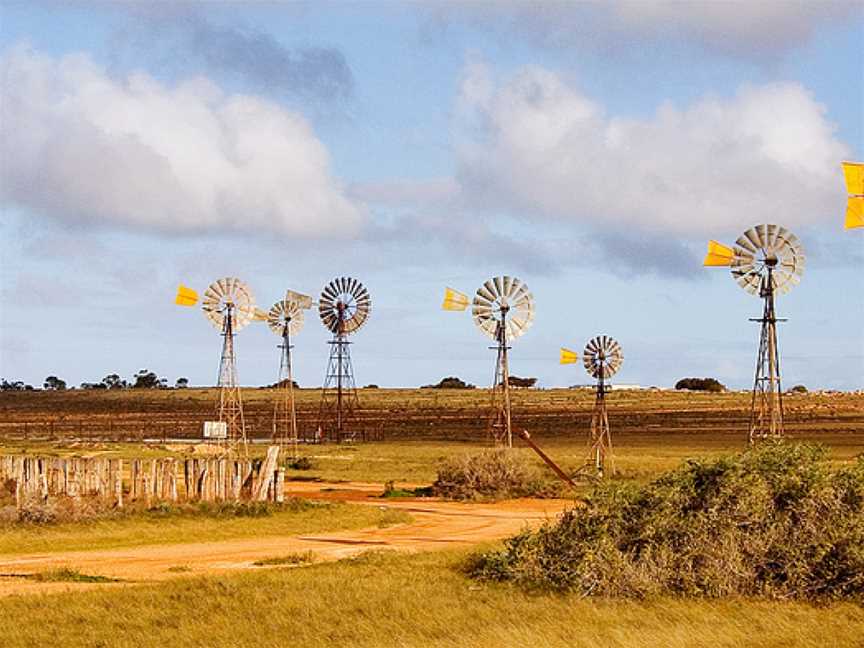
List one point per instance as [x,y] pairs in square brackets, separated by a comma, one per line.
[381,600]
[155,527]
[636,456]
[396,600]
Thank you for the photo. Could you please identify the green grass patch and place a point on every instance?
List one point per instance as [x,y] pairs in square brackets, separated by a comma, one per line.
[66,575]
[304,558]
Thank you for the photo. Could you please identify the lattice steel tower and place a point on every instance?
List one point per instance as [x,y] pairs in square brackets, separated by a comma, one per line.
[229,306]
[344,306]
[766,260]
[503,309]
[285,319]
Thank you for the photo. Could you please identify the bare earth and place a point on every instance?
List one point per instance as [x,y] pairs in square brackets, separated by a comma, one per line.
[437,525]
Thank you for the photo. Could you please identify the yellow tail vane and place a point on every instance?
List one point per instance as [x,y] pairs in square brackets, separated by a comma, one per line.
[260,315]
[568,356]
[854,174]
[718,255]
[454,300]
[855,212]
[185,296]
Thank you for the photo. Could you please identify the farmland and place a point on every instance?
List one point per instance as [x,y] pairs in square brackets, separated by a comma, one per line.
[398,414]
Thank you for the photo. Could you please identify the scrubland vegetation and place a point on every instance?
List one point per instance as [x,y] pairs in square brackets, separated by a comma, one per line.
[775,521]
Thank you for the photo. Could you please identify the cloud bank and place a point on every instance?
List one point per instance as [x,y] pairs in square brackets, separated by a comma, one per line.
[745,30]
[534,147]
[184,41]
[79,145]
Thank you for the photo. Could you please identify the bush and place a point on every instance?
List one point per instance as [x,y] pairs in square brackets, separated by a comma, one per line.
[491,474]
[451,382]
[701,384]
[775,522]
[301,463]
[799,389]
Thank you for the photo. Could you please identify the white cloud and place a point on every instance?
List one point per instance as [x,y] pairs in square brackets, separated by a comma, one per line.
[535,146]
[80,145]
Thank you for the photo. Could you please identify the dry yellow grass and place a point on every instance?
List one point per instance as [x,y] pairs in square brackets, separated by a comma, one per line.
[395,600]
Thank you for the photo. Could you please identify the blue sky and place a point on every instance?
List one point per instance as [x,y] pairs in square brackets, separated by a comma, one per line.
[590,150]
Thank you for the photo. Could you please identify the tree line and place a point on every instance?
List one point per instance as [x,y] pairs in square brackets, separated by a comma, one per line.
[144,379]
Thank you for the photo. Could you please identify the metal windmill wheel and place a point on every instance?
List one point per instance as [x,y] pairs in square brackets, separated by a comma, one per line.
[344,305]
[228,294]
[285,316]
[503,299]
[764,250]
[602,357]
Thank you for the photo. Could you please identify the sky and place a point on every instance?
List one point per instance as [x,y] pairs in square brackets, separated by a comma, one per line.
[591,150]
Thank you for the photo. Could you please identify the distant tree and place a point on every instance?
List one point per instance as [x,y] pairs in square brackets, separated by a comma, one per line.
[113,381]
[54,383]
[17,385]
[516,381]
[146,379]
[282,383]
[450,382]
[372,386]
[701,384]
[799,389]
[182,383]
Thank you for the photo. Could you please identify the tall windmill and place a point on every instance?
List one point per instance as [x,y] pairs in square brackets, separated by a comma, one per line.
[766,260]
[285,319]
[854,174]
[503,309]
[602,358]
[229,306]
[344,307]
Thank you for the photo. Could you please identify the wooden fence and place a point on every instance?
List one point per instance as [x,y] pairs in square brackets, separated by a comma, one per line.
[149,481]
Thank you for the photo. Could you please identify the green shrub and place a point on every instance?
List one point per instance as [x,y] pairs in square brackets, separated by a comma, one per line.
[490,474]
[301,463]
[775,521]
[701,384]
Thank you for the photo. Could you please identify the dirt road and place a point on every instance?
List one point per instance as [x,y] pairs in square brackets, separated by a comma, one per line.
[436,525]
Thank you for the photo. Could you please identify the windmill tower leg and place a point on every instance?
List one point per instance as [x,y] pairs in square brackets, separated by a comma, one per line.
[339,396]
[284,414]
[600,439]
[766,409]
[500,422]
[230,399]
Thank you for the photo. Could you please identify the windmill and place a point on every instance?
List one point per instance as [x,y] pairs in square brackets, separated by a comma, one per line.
[344,307]
[765,260]
[229,306]
[854,174]
[285,319]
[602,358]
[503,309]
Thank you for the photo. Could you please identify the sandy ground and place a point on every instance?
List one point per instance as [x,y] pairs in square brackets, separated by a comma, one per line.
[436,525]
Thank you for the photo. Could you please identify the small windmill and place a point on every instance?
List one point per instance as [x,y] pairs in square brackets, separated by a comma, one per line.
[854,174]
[766,260]
[229,306]
[602,358]
[503,309]
[343,307]
[285,319]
